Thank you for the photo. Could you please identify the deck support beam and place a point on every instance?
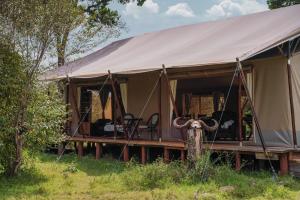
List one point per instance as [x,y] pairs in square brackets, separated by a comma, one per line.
[126,153]
[143,155]
[98,150]
[237,161]
[166,155]
[284,164]
[80,149]
[182,155]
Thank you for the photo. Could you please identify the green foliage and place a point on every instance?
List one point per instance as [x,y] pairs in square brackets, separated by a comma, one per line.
[44,114]
[273,4]
[105,179]
[155,175]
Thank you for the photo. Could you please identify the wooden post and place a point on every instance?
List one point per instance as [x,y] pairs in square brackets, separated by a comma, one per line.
[98,150]
[237,161]
[159,111]
[240,114]
[291,101]
[166,155]
[284,164]
[126,153]
[182,155]
[80,149]
[143,155]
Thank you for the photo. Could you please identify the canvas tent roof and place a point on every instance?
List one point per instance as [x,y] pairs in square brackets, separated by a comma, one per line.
[209,43]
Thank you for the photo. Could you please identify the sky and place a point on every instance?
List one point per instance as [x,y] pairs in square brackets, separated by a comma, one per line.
[156,15]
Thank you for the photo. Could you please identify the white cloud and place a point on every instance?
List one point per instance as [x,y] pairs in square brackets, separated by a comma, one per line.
[228,8]
[180,9]
[149,6]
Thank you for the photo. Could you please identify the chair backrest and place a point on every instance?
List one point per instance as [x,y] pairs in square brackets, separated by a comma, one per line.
[127,118]
[153,120]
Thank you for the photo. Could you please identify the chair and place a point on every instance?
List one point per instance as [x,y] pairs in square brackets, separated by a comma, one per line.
[228,126]
[151,125]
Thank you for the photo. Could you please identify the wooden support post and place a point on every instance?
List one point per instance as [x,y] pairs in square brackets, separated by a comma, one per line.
[159,111]
[166,155]
[182,155]
[80,149]
[240,114]
[126,153]
[98,150]
[143,155]
[289,69]
[284,164]
[237,161]
[118,104]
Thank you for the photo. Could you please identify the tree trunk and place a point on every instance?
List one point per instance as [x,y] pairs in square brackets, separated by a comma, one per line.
[61,44]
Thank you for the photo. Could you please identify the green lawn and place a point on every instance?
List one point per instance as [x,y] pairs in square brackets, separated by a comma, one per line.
[86,178]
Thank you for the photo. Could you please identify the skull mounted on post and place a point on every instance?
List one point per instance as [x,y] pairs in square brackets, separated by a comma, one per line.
[195,135]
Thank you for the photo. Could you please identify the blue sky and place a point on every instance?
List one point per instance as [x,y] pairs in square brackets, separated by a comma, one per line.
[161,14]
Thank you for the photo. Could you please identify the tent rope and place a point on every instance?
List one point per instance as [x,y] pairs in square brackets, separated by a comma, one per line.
[82,119]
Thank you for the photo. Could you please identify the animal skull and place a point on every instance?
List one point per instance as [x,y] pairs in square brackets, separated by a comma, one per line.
[194,133]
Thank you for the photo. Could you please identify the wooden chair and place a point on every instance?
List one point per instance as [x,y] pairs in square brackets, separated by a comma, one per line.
[151,125]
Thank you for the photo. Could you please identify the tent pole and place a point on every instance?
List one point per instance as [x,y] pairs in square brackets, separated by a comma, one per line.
[159,110]
[172,97]
[240,114]
[117,102]
[170,91]
[289,70]
[243,79]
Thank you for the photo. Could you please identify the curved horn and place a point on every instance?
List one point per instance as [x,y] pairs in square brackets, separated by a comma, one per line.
[176,125]
[209,128]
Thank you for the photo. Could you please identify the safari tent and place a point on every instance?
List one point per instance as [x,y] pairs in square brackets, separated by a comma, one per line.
[243,72]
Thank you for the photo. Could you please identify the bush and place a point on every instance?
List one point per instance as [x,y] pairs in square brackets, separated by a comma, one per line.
[155,175]
[161,175]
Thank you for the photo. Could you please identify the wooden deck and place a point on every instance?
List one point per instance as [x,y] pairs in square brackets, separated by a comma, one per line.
[238,148]
[180,145]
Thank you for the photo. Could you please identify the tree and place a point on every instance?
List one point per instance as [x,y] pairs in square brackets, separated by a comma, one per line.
[26,27]
[273,4]
[89,23]
[45,113]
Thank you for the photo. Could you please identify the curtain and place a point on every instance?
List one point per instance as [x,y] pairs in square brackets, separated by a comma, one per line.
[123,88]
[173,85]
[249,83]
[103,99]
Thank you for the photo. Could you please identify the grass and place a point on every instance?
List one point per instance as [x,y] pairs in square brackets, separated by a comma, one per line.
[86,178]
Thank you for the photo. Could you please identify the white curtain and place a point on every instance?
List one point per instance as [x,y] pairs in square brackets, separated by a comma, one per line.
[123,88]
[173,85]
[250,83]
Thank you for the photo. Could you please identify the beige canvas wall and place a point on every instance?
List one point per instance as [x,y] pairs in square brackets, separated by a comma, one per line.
[139,87]
[271,100]
[295,66]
